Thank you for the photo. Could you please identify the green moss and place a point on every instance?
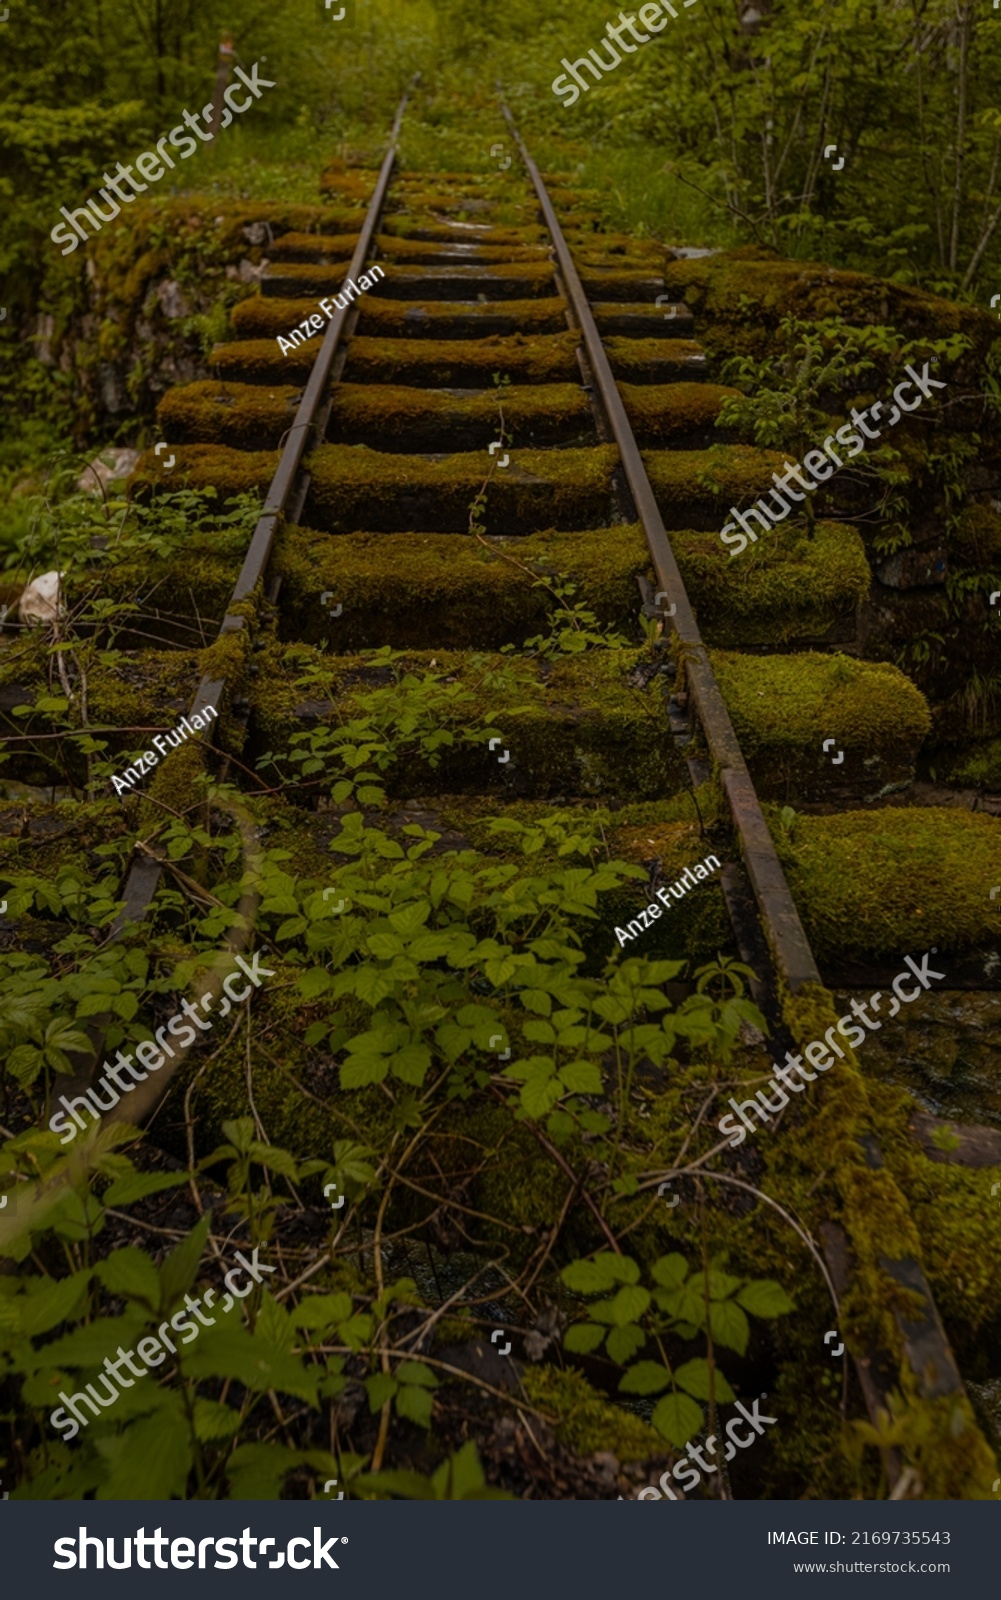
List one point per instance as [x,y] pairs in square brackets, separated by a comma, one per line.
[787,588]
[244,416]
[403,282]
[31,832]
[267,317]
[543,358]
[664,414]
[202,466]
[975,765]
[295,246]
[696,488]
[653,360]
[627,829]
[423,419]
[698,925]
[354,187]
[436,319]
[620,283]
[226,662]
[923,883]
[147,693]
[186,598]
[784,707]
[585,1422]
[958,1226]
[578,729]
[830,1138]
[976,536]
[740,297]
[175,782]
[403,227]
[428,590]
[262,361]
[357,487]
[418,250]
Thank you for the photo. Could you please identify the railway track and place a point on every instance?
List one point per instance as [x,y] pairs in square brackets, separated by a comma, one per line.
[522,398]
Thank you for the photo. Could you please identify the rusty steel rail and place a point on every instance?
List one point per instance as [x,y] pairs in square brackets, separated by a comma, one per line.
[788,944]
[926,1350]
[289,485]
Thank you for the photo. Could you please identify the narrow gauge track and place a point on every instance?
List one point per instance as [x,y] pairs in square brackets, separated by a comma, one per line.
[461,302]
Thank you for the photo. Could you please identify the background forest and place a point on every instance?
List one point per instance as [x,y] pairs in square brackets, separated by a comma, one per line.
[721,141]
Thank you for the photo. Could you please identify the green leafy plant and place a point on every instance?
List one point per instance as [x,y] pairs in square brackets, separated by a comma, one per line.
[681,1301]
[573,626]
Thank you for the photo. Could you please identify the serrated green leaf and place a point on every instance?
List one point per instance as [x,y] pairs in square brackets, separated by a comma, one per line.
[179,1270]
[415,1404]
[583,1337]
[461,1477]
[452,1040]
[539,1031]
[129,1272]
[539,1095]
[677,1419]
[258,1471]
[582,1077]
[134,1186]
[359,1071]
[213,1420]
[313,983]
[536,1000]
[91,1005]
[88,1344]
[765,1297]
[149,1460]
[721,1284]
[232,1352]
[670,1271]
[624,1343]
[274,1324]
[729,1325]
[380,1387]
[322,1311]
[646,1377]
[598,1274]
[51,1301]
[629,1304]
[416,1372]
[410,919]
[410,1064]
[693,1377]
[408,1485]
